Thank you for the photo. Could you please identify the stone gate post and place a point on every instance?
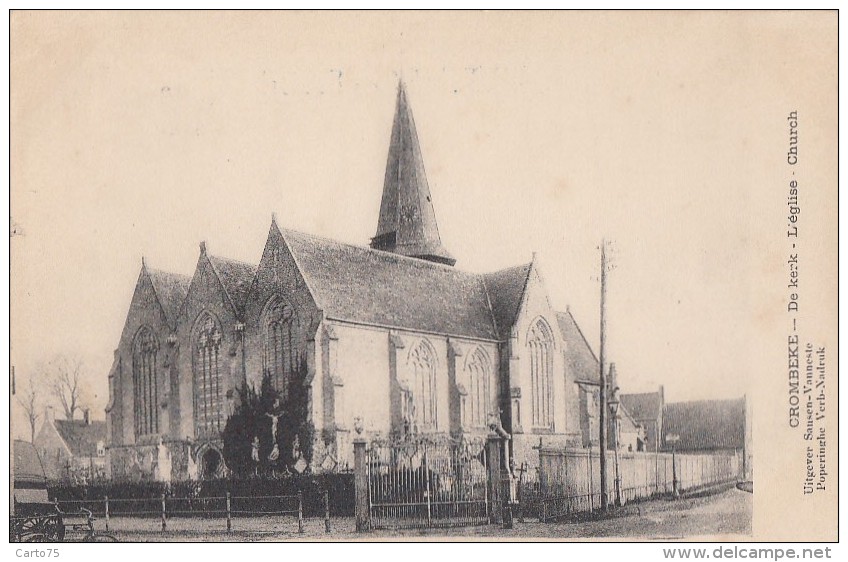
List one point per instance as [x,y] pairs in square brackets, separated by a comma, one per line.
[493,467]
[362,511]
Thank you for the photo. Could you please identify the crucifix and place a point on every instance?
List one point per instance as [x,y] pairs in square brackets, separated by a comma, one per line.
[275,418]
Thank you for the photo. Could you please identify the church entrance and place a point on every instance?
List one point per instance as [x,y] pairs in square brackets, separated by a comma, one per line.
[211,463]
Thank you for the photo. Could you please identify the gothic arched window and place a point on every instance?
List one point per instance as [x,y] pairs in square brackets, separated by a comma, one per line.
[477,368]
[422,364]
[208,402]
[145,387]
[540,352]
[279,356]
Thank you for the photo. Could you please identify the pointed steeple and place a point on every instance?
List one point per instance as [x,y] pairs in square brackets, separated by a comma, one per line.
[407,222]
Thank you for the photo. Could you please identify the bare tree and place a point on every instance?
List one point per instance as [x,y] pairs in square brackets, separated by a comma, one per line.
[30,400]
[64,377]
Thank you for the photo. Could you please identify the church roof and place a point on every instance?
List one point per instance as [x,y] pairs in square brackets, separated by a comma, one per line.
[505,288]
[171,289]
[81,437]
[368,286]
[579,357]
[236,277]
[705,425]
[643,406]
[407,223]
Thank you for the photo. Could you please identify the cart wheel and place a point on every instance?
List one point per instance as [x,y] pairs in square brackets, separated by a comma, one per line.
[30,529]
[56,527]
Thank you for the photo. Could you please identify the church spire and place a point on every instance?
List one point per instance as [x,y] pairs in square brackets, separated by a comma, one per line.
[407,222]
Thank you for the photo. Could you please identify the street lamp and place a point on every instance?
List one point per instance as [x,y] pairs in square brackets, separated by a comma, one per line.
[673,438]
[614,403]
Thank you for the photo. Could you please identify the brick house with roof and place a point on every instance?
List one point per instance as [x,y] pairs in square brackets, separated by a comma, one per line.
[392,336]
[708,426]
[73,449]
[646,409]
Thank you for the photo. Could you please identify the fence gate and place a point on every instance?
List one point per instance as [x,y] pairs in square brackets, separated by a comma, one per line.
[419,483]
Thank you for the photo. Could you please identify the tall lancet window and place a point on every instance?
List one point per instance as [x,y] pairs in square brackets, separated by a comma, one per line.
[540,352]
[422,365]
[145,385]
[208,386]
[279,345]
[478,370]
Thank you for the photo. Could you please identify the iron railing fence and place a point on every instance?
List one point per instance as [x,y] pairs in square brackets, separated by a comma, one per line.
[427,483]
[224,509]
[528,494]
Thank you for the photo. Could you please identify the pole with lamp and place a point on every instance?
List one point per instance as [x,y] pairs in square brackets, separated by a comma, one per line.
[614,403]
[602,391]
[673,438]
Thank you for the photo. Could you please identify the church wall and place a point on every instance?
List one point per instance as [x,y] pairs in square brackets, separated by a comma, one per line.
[566,421]
[114,421]
[363,371]
[362,367]
[588,404]
[459,372]
[573,418]
[358,386]
[144,311]
[440,349]
[277,277]
[206,294]
[279,280]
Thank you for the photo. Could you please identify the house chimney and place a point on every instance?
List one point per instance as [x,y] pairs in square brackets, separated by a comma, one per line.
[49,414]
[86,416]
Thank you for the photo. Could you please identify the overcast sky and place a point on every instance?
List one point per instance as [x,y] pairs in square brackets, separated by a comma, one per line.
[142,134]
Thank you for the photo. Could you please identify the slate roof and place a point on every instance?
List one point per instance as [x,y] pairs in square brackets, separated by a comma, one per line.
[27,462]
[236,277]
[359,284]
[363,285]
[81,437]
[579,357]
[626,414]
[505,288]
[171,288]
[705,424]
[643,406]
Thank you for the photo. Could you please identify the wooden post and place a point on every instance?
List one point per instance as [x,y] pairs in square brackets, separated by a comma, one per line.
[229,514]
[427,488]
[300,512]
[106,511]
[520,497]
[12,450]
[493,465]
[590,479]
[360,469]
[163,512]
[326,511]
[675,490]
[602,420]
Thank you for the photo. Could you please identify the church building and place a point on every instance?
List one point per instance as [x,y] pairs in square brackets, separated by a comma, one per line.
[391,336]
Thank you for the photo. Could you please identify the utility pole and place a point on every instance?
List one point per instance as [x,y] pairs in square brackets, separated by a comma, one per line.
[602,441]
[11,447]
